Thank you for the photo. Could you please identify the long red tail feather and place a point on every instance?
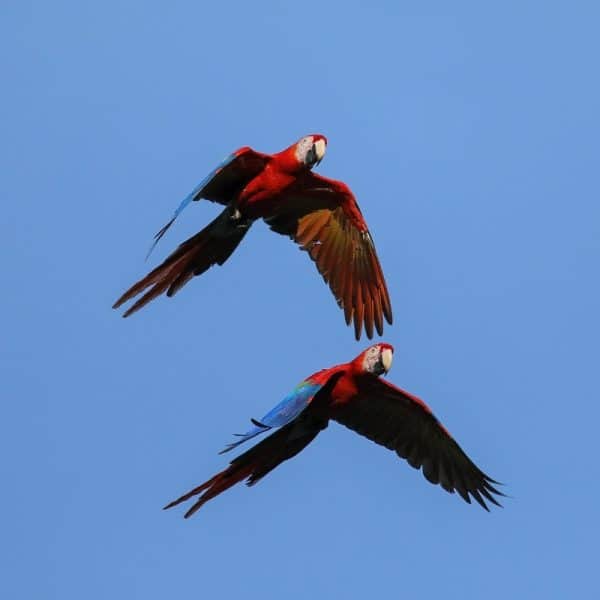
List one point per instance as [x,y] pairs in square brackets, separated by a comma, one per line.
[256,462]
[213,245]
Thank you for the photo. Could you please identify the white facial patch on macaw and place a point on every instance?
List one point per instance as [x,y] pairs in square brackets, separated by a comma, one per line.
[371,359]
[303,147]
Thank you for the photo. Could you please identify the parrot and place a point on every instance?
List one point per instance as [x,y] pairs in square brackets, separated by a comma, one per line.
[321,215]
[354,395]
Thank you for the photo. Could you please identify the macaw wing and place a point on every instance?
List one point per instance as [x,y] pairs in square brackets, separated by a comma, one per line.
[322,216]
[222,183]
[403,423]
[282,414]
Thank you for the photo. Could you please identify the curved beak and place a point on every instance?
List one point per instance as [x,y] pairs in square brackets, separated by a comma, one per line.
[386,359]
[316,153]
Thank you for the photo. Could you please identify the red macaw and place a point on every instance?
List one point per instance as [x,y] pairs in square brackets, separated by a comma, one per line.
[319,214]
[354,395]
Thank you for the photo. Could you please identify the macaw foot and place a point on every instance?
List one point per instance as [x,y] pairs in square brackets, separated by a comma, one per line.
[238,220]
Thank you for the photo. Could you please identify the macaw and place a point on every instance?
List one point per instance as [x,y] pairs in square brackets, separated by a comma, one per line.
[319,214]
[354,395]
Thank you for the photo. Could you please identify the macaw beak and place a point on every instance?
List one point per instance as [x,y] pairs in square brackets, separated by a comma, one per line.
[316,153]
[386,359]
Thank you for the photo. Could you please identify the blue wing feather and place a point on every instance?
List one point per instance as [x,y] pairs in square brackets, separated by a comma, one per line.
[282,414]
[195,194]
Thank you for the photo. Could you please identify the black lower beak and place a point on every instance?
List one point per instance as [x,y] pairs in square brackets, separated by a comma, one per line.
[379,369]
[311,157]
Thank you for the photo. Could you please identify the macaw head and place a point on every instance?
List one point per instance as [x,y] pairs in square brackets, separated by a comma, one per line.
[310,150]
[377,359]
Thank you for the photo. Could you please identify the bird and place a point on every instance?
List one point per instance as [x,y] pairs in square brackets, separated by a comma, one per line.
[321,215]
[355,395]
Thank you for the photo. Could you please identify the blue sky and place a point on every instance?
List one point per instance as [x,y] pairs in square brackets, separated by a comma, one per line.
[469,135]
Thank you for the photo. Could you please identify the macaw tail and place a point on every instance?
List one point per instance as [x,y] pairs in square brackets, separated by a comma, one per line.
[211,246]
[258,461]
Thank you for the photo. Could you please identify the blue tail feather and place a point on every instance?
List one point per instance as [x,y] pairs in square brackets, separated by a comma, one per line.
[195,194]
[282,414]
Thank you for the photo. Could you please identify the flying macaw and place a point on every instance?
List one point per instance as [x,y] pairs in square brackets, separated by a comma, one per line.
[319,214]
[354,395]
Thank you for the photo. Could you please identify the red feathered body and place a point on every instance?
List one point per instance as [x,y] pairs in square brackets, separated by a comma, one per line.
[257,200]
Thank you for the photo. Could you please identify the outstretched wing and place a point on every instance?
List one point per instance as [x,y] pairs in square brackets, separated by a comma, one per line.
[403,423]
[322,216]
[286,411]
[222,183]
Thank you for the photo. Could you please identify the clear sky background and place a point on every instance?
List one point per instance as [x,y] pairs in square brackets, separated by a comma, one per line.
[469,134]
